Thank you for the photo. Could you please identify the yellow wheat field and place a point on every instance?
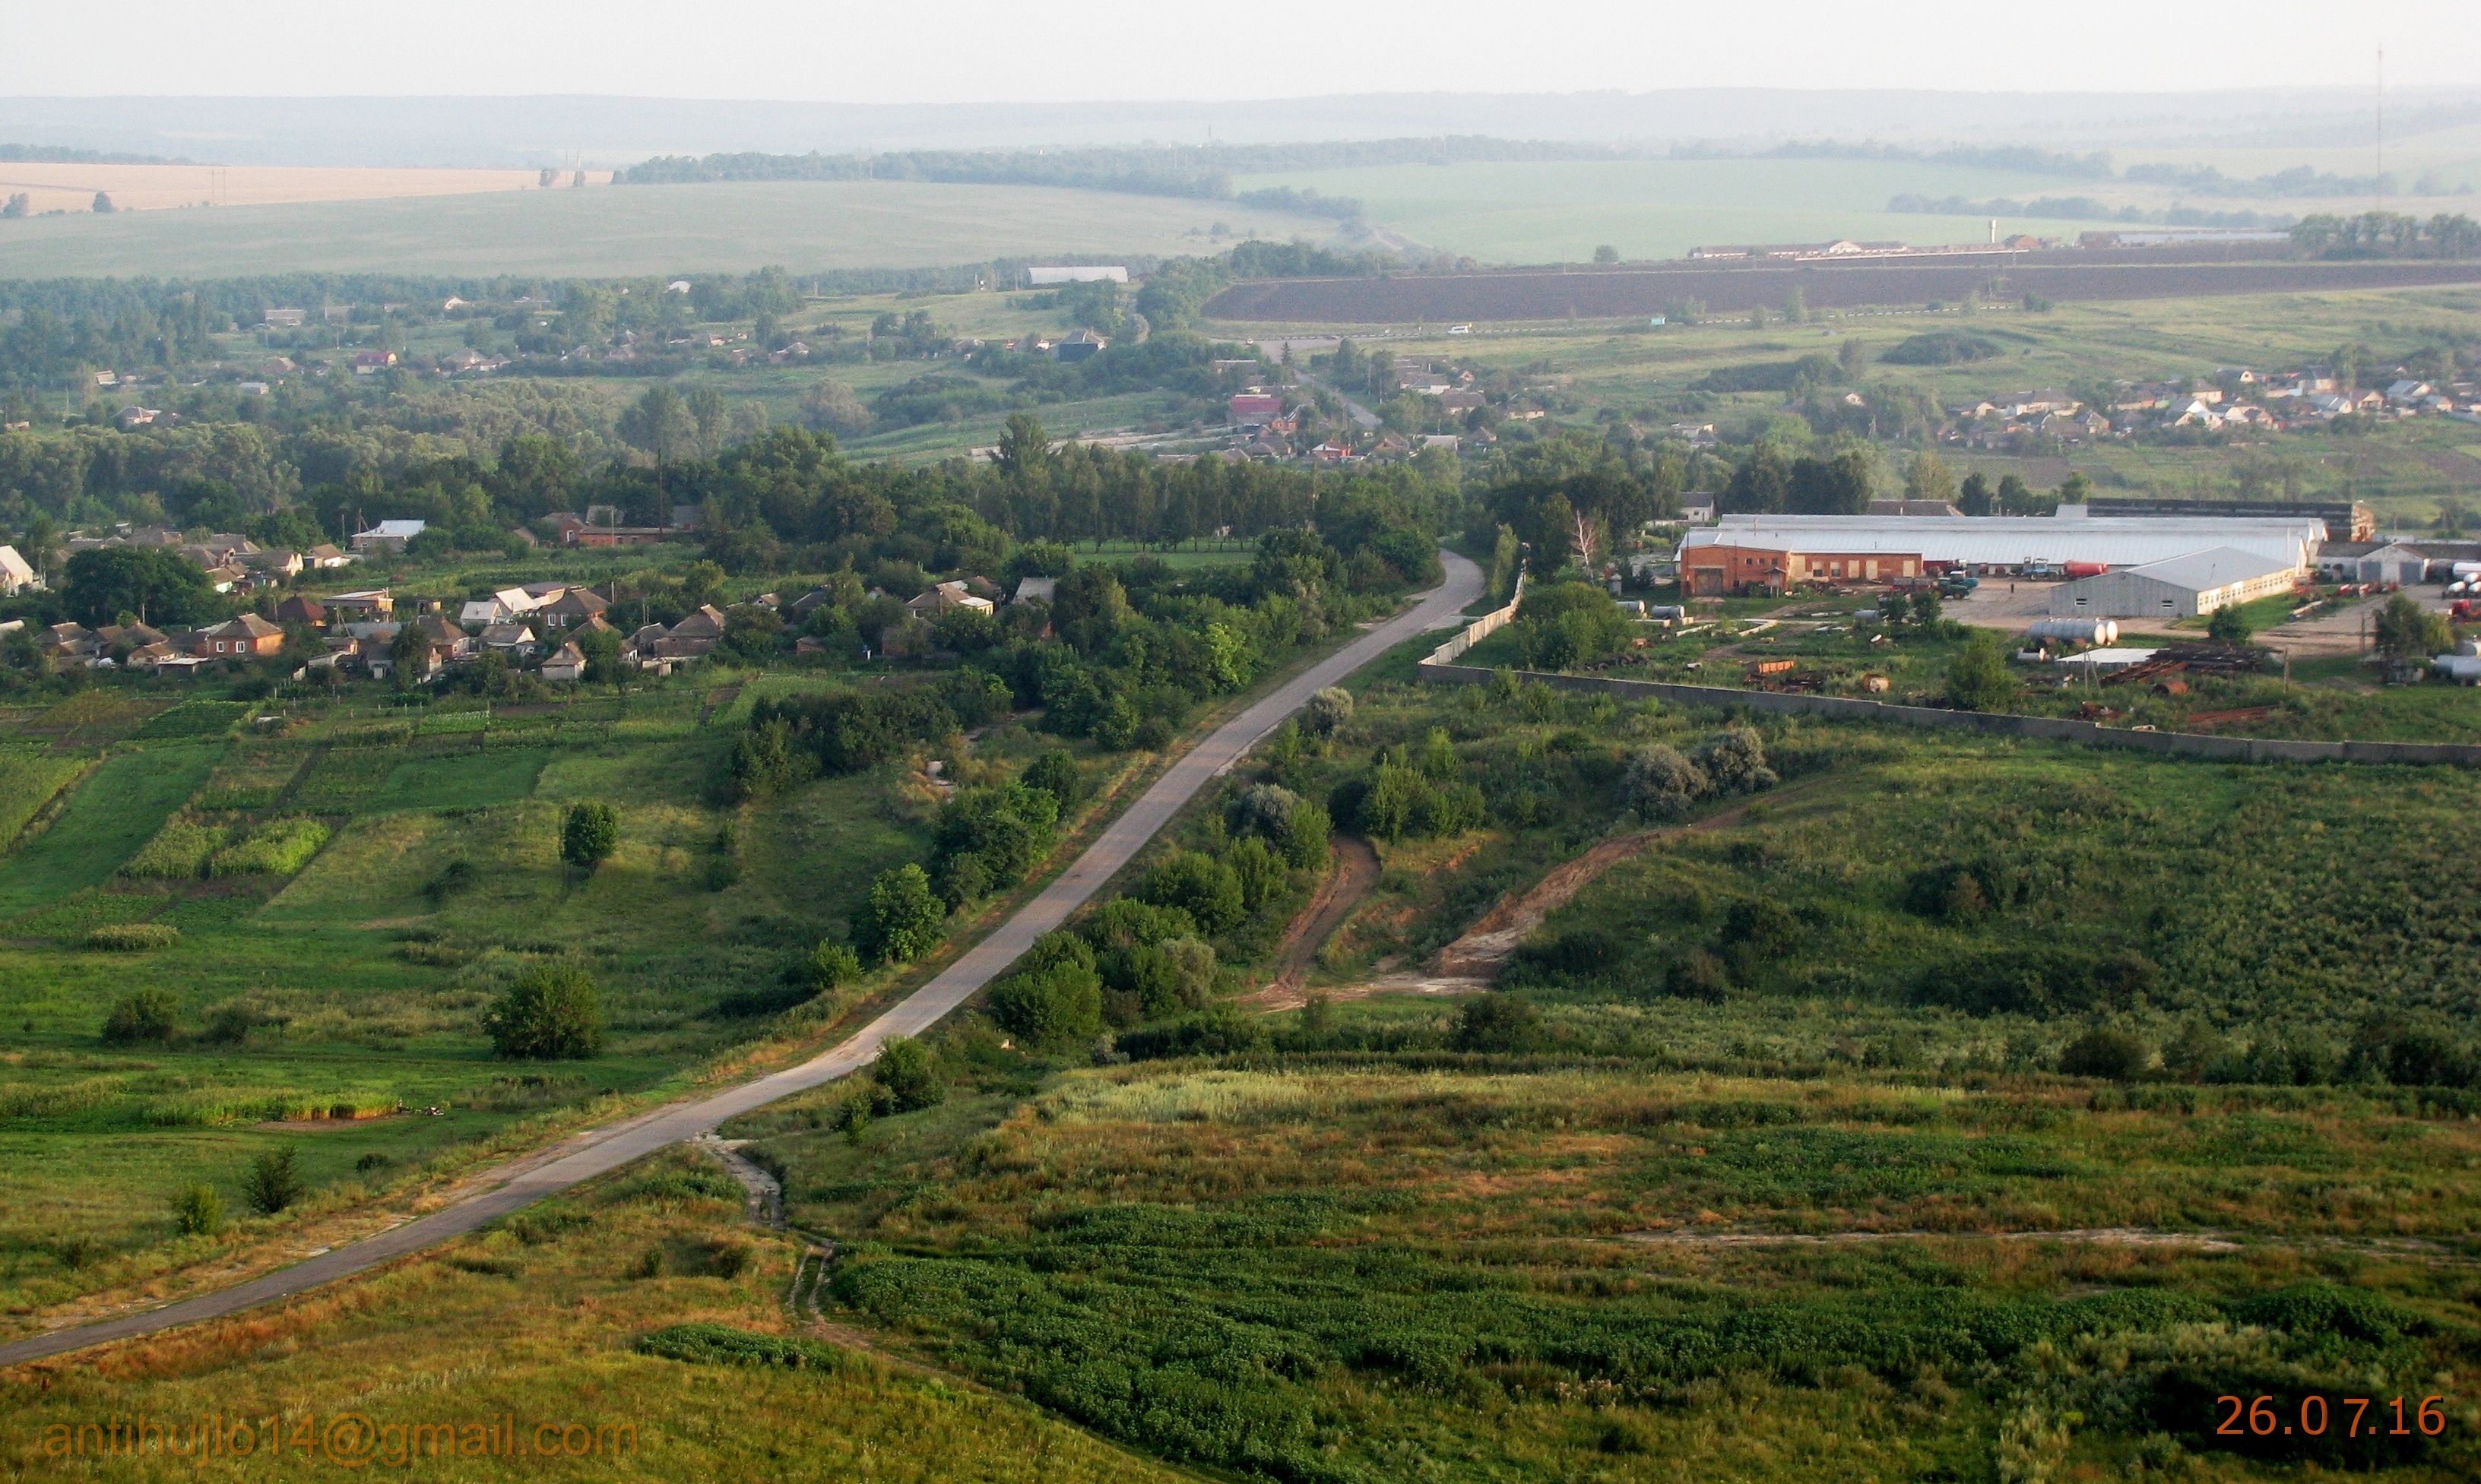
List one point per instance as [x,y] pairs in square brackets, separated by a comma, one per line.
[158,187]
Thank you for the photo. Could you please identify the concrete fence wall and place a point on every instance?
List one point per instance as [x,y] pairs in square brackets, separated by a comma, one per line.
[1441,668]
[1480,629]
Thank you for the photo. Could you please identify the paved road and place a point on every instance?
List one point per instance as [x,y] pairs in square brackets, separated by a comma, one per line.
[606,1149]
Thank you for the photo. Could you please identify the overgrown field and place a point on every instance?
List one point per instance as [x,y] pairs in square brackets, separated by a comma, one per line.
[1933,1109]
[536,1322]
[330,903]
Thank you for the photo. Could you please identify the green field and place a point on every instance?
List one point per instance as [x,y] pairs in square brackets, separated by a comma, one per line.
[114,812]
[636,230]
[1558,211]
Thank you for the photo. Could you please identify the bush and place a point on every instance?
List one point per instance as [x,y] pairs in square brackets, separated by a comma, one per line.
[2115,1055]
[1328,710]
[909,1075]
[831,964]
[1263,874]
[1977,678]
[1205,887]
[1057,1006]
[1218,1032]
[716,1344]
[1735,761]
[550,1012]
[589,833]
[1496,1023]
[902,918]
[274,1181]
[149,1015]
[198,1211]
[1940,348]
[1304,837]
[2228,626]
[133,937]
[1660,784]
[1262,809]
[1125,922]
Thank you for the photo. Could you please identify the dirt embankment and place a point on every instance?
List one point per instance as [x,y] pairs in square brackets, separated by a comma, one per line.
[1467,965]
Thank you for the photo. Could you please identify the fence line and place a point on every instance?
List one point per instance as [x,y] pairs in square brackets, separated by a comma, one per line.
[1440,669]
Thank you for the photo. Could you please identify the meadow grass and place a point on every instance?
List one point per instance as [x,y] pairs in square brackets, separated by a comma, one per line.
[29,781]
[540,1317]
[121,805]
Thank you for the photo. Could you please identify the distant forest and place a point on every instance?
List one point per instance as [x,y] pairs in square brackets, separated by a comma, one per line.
[61,154]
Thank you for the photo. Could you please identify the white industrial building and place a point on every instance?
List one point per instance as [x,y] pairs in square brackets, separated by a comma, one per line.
[1042,277]
[1981,542]
[2184,587]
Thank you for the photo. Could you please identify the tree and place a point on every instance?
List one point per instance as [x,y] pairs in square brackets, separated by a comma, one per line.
[1056,774]
[1851,356]
[2405,631]
[902,918]
[160,585]
[1973,496]
[1977,678]
[1607,254]
[907,1073]
[549,1012]
[832,408]
[1025,449]
[661,423]
[1928,476]
[274,1181]
[2227,625]
[103,203]
[588,832]
[149,1015]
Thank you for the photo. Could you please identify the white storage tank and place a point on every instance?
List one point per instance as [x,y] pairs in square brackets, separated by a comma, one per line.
[2075,631]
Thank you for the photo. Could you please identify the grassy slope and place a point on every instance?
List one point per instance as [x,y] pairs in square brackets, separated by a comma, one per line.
[633,230]
[113,813]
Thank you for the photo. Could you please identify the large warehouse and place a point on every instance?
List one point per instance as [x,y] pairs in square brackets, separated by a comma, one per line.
[2188,586]
[1771,552]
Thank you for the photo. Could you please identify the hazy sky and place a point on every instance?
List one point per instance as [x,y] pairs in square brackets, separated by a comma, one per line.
[984,50]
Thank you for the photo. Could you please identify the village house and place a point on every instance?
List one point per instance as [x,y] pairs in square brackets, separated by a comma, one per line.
[565,668]
[16,574]
[247,636]
[389,538]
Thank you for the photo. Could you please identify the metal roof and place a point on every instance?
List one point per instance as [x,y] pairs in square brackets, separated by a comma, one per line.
[2205,571]
[2005,540]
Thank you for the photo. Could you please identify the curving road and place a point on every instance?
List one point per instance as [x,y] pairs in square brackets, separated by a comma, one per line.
[602,1150]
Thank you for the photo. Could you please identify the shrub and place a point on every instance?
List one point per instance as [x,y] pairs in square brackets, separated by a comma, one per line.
[589,833]
[1054,1006]
[2228,626]
[1496,1023]
[1304,836]
[1734,759]
[716,1344]
[133,937]
[273,1182]
[1205,887]
[1262,809]
[1125,922]
[1660,784]
[198,1211]
[1263,873]
[831,964]
[902,918]
[1328,710]
[1977,677]
[2115,1055]
[906,1071]
[145,1015]
[1218,1032]
[278,848]
[458,875]
[550,1012]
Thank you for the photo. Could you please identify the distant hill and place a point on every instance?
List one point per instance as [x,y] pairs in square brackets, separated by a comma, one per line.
[532,132]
